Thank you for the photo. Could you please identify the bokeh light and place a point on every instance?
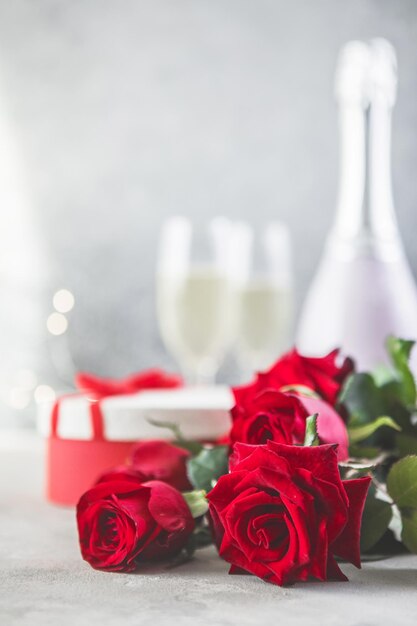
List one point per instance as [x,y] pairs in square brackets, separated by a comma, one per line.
[57,324]
[44,393]
[63,301]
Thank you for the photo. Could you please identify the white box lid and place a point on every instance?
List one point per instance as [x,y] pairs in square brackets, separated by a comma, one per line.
[201,413]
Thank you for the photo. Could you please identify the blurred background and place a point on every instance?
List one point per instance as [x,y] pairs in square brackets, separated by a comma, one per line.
[115,116]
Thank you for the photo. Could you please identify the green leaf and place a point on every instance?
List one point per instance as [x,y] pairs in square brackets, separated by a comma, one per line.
[364,452]
[383,375]
[402,482]
[406,444]
[409,531]
[197,502]
[396,409]
[311,437]
[399,351]
[205,468]
[375,520]
[362,398]
[192,446]
[359,433]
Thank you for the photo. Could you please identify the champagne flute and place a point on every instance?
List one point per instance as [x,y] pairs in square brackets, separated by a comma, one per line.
[196,295]
[265,296]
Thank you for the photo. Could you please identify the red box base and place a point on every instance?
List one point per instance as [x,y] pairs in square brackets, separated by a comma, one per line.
[73,465]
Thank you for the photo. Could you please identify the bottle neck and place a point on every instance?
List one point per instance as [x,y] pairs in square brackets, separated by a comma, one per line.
[381,204]
[365,219]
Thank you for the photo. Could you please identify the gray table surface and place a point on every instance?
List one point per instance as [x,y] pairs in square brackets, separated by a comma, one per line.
[44,581]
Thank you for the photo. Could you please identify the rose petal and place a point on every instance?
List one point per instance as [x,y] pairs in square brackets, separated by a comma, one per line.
[168,507]
[121,472]
[320,460]
[161,460]
[330,426]
[240,451]
[333,570]
[347,544]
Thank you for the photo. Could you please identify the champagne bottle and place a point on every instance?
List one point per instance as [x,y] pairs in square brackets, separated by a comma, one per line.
[363,290]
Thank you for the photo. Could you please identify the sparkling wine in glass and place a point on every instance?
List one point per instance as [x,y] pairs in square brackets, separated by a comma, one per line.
[196,294]
[265,296]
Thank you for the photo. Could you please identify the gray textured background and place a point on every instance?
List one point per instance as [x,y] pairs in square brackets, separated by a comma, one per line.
[125,112]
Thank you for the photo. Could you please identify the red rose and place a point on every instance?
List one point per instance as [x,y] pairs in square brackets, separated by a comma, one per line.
[269,415]
[324,375]
[122,523]
[161,460]
[121,472]
[281,417]
[283,513]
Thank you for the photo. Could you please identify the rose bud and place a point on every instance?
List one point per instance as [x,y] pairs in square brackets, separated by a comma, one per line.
[324,375]
[281,417]
[121,524]
[161,460]
[284,514]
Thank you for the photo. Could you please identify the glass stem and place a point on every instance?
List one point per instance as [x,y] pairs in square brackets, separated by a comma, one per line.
[201,374]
